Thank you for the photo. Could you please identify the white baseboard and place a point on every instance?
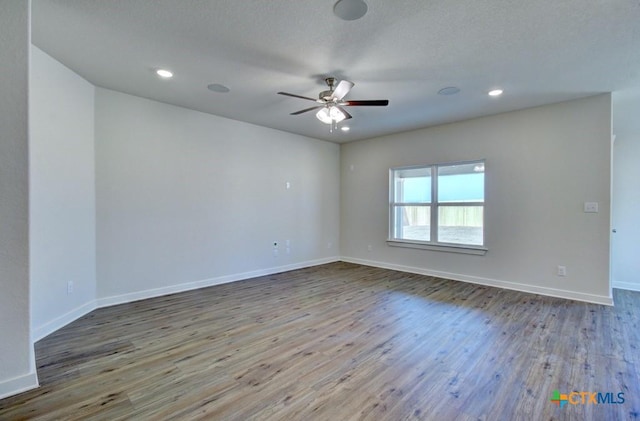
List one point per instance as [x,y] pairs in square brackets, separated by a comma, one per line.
[552,292]
[50,327]
[59,322]
[626,285]
[172,289]
[18,385]
[55,324]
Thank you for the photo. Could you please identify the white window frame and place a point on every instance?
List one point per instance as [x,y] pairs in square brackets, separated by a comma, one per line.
[434,205]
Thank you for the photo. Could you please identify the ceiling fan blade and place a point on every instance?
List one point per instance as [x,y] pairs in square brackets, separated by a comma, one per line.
[307,109]
[372,102]
[342,89]
[297,96]
[347,116]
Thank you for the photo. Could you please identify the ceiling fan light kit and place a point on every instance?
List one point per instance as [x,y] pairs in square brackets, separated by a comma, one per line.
[329,115]
[330,110]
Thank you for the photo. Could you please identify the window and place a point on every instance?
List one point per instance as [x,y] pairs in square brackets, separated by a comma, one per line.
[438,206]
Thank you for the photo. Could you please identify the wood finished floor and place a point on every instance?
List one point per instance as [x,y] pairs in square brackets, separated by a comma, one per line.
[339,342]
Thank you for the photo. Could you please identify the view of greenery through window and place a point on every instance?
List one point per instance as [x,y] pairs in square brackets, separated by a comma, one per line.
[459,205]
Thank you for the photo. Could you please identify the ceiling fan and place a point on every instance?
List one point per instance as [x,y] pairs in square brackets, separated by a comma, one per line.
[332,102]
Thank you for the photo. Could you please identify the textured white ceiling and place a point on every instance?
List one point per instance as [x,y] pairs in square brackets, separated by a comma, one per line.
[539,52]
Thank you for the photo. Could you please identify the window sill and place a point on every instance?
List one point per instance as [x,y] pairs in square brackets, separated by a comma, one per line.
[450,248]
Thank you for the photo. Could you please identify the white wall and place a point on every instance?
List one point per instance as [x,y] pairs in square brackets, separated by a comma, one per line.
[626,194]
[542,165]
[62,194]
[17,367]
[189,198]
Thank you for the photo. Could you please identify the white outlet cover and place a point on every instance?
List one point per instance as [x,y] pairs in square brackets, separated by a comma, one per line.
[591,207]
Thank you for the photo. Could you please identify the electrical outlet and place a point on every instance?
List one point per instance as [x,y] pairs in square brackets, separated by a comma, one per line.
[329,244]
[562,271]
[69,287]
[369,247]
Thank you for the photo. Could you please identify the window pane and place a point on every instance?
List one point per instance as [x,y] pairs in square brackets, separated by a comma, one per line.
[412,185]
[412,223]
[461,225]
[461,183]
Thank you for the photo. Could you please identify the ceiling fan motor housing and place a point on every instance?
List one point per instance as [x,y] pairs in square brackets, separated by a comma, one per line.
[326,95]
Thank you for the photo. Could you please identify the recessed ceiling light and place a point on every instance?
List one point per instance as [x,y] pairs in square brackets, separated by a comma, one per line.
[345,128]
[450,90]
[216,87]
[164,73]
[350,9]
[495,92]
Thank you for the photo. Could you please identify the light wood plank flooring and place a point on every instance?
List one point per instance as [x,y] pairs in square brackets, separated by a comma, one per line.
[339,342]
